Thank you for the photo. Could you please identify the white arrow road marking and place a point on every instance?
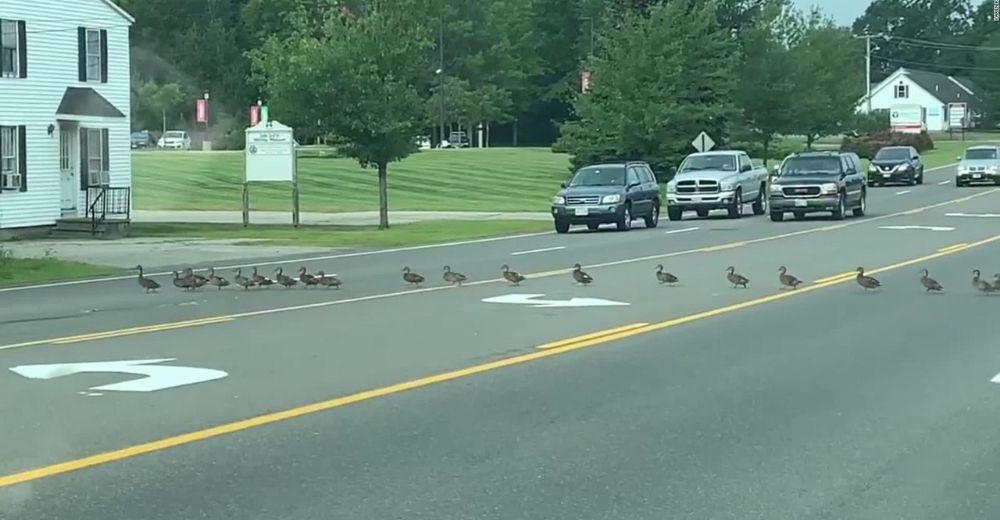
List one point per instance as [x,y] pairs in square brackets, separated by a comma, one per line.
[928,228]
[904,192]
[544,250]
[535,301]
[996,379]
[974,215]
[158,377]
[683,230]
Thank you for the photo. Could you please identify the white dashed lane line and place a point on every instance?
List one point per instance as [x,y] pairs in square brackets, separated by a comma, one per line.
[942,183]
[543,250]
[682,230]
[904,192]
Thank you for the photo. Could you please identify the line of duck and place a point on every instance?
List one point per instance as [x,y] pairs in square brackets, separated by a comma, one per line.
[188,280]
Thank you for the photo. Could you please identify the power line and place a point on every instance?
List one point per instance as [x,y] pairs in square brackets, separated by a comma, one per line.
[938,65]
[939,45]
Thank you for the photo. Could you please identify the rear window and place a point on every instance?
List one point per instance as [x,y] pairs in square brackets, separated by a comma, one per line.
[811,166]
[982,153]
[892,154]
[599,176]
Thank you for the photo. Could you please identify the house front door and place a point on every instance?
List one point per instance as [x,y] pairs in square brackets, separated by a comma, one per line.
[70,185]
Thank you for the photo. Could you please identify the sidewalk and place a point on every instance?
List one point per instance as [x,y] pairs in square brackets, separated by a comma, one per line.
[356,218]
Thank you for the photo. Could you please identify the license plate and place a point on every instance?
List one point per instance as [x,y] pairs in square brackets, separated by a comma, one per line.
[801,203]
[977,176]
[581,212]
[886,175]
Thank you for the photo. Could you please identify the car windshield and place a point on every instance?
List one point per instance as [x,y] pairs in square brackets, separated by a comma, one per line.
[725,162]
[892,154]
[981,153]
[174,135]
[811,166]
[599,176]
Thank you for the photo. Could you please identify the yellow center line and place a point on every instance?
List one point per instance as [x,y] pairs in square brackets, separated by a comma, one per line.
[722,247]
[577,344]
[836,277]
[955,247]
[592,335]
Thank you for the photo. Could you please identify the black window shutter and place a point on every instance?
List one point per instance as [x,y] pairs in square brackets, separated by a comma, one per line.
[105,156]
[104,56]
[22,49]
[22,156]
[84,172]
[82,52]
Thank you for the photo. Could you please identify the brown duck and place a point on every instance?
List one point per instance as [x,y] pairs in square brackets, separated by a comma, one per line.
[982,286]
[328,280]
[511,276]
[147,283]
[243,281]
[306,278]
[283,279]
[929,283]
[412,278]
[664,277]
[787,280]
[866,281]
[581,277]
[260,280]
[197,279]
[452,277]
[736,279]
[183,283]
[215,280]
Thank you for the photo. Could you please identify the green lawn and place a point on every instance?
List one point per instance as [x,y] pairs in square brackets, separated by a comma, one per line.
[495,179]
[18,271]
[347,236]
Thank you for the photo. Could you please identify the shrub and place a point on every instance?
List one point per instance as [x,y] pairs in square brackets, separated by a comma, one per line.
[777,150]
[867,145]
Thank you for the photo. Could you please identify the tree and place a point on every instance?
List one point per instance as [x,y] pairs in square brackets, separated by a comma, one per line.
[361,76]
[657,81]
[162,99]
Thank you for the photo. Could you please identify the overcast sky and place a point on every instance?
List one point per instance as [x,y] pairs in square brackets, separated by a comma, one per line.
[843,12]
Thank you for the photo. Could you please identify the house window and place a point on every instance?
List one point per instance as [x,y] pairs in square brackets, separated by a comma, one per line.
[902,91]
[10,160]
[93,55]
[8,49]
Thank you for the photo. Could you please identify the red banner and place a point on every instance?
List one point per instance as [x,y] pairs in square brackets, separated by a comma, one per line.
[254,115]
[201,111]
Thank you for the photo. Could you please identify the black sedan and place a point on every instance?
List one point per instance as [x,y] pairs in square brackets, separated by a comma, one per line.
[896,164]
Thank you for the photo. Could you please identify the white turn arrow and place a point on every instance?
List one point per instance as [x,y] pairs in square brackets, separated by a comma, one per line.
[928,228]
[158,377]
[535,301]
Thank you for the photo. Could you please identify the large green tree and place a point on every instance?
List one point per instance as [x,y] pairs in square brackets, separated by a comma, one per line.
[362,75]
[658,81]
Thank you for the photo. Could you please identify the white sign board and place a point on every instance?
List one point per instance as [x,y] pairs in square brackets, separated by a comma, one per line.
[957,115]
[907,118]
[269,153]
[703,142]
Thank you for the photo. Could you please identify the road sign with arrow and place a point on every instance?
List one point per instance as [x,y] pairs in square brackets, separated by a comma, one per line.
[534,300]
[703,142]
[157,377]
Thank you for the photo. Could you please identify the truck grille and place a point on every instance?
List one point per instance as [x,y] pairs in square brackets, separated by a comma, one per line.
[698,186]
[800,191]
[977,168]
[583,200]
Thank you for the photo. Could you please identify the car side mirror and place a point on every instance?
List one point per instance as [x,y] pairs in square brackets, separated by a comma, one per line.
[959,158]
[632,185]
[562,185]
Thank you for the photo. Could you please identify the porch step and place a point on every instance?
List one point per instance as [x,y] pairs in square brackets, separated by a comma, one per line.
[80,228]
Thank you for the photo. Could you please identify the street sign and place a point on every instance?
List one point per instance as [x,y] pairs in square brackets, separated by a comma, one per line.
[270,153]
[157,377]
[957,115]
[703,142]
[201,110]
[534,300]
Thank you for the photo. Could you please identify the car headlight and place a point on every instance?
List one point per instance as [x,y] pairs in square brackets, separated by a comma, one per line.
[775,188]
[611,199]
[671,187]
[903,167]
[992,169]
[559,199]
[963,169]
[828,188]
[725,186]
[872,168]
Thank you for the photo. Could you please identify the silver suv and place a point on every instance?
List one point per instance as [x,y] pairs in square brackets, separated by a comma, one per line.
[980,164]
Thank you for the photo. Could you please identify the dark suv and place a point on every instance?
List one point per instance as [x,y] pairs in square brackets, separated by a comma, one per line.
[896,164]
[818,181]
[608,193]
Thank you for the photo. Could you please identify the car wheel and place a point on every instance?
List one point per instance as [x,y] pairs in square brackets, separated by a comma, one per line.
[736,209]
[593,227]
[920,178]
[625,222]
[702,213]
[958,183]
[777,216]
[838,214]
[653,219]
[760,205]
[862,206]
[562,226]
[674,213]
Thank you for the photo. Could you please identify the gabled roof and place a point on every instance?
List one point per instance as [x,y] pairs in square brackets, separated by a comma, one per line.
[946,89]
[116,8]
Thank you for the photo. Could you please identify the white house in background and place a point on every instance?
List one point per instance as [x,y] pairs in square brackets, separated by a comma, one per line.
[933,91]
[64,110]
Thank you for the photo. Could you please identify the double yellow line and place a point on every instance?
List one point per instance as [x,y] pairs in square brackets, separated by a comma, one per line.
[122,332]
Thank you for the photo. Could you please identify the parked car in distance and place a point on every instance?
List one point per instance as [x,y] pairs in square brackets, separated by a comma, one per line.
[177,139]
[979,164]
[809,182]
[608,193]
[141,139]
[724,179]
[896,164]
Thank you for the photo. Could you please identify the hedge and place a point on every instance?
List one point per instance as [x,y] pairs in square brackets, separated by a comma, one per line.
[868,145]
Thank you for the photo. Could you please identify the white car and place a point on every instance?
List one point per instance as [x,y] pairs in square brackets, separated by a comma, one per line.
[176,139]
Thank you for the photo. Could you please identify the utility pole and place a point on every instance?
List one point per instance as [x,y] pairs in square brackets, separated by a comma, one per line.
[868,67]
[440,73]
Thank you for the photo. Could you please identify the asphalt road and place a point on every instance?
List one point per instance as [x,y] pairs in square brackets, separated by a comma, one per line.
[732,403]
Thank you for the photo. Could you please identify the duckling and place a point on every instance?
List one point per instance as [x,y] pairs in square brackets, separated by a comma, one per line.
[284,279]
[866,281]
[412,278]
[307,279]
[262,281]
[328,280]
[787,280]
[217,281]
[511,276]
[982,286]
[929,283]
[452,277]
[665,277]
[183,283]
[581,277]
[243,281]
[737,280]
[147,283]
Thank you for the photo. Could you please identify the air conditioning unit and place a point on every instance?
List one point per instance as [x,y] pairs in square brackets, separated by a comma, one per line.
[11,181]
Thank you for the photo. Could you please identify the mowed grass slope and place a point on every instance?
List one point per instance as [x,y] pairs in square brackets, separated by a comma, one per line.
[495,179]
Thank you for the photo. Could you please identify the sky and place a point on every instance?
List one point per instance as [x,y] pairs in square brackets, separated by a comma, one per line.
[844,12]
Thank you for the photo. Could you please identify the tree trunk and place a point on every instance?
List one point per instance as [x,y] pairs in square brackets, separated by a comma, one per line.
[383,196]
[767,143]
[515,133]
[809,142]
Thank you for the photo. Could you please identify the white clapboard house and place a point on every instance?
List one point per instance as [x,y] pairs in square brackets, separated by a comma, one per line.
[64,113]
[933,98]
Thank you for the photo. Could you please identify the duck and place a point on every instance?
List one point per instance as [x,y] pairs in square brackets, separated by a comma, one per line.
[787,280]
[665,277]
[197,279]
[215,280]
[147,283]
[511,276]
[243,281]
[262,281]
[326,280]
[307,279]
[996,281]
[982,286]
[929,283]
[183,283]
[284,279]
[452,277]
[581,277]
[738,280]
[866,281]
[411,278]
